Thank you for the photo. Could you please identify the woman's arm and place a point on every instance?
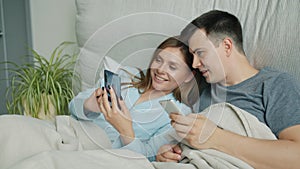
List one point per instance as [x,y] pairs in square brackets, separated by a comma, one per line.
[84,106]
[150,147]
[122,122]
[119,119]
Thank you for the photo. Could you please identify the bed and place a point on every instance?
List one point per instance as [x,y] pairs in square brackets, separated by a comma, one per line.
[116,33]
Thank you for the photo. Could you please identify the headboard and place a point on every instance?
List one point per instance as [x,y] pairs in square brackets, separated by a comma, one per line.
[129,30]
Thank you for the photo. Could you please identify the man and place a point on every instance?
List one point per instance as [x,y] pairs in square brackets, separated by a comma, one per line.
[215,39]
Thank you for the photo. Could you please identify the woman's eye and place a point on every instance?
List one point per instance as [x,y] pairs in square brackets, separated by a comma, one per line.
[173,67]
[157,59]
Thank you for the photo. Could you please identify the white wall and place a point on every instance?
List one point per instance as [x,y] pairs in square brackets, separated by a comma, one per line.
[52,22]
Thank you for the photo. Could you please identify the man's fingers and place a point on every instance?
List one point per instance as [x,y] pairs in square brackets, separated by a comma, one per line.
[181,119]
[183,125]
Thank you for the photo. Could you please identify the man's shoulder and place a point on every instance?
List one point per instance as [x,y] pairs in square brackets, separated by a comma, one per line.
[271,71]
[278,78]
[275,74]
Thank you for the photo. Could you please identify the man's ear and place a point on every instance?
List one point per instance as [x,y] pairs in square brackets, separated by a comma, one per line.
[228,46]
[190,77]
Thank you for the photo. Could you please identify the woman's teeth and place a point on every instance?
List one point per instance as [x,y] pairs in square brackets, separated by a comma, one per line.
[160,78]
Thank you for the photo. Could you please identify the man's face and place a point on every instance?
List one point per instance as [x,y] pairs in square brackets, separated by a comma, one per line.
[207,57]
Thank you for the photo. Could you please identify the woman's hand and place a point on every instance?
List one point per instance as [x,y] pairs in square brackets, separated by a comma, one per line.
[196,129]
[92,103]
[169,153]
[120,119]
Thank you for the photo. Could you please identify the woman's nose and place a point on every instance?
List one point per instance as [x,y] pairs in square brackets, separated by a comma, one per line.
[161,68]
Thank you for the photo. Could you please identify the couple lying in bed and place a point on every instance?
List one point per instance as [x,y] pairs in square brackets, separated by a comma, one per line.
[215,41]
[140,124]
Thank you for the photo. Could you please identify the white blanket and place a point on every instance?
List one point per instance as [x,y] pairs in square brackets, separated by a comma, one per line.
[28,143]
[229,118]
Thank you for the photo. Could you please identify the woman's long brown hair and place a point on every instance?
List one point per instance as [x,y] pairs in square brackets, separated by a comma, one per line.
[187,93]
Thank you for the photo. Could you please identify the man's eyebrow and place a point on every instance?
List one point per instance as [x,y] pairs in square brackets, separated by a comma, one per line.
[193,51]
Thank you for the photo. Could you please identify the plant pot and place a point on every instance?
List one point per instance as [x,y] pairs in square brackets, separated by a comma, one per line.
[48,114]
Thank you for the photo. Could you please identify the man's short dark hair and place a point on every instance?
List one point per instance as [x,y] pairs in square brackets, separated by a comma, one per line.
[217,24]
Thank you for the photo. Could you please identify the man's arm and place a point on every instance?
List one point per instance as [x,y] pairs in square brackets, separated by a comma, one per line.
[282,153]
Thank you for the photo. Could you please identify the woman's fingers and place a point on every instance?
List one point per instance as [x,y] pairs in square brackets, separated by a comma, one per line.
[98,93]
[101,107]
[113,98]
[166,153]
[123,106]
[105,103]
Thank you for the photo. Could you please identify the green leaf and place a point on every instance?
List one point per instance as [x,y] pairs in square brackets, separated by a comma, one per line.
[35,86]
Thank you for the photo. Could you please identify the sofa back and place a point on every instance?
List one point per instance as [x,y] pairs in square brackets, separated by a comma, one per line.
[129,30]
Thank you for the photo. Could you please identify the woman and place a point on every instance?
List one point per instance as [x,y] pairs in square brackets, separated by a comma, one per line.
[141,124]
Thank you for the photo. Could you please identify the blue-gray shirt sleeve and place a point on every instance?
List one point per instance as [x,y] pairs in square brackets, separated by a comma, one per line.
[282,102]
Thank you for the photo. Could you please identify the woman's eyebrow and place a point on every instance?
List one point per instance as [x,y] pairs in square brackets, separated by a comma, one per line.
[174,63]
[158,56]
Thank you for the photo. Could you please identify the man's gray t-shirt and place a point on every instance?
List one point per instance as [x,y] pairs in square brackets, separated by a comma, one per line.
[272,96]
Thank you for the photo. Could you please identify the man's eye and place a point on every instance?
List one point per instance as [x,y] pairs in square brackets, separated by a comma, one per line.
[199,53]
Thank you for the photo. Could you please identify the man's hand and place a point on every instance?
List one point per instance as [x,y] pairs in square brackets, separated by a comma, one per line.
[196,129]
[169,153]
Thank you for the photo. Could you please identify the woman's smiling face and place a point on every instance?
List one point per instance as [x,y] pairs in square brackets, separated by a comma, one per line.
[169,70]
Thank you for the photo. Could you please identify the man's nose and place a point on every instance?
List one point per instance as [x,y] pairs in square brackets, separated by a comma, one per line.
[196,62]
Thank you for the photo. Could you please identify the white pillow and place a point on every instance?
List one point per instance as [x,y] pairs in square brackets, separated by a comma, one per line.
[128,36]
[109,64]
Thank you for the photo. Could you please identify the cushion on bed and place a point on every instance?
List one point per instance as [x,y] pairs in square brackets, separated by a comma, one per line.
[18,132]
[23,136]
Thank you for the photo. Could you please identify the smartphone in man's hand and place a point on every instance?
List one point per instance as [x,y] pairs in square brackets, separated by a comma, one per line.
[170,106]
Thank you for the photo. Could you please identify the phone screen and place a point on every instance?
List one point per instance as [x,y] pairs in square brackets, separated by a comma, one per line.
[113,80]
[170,106]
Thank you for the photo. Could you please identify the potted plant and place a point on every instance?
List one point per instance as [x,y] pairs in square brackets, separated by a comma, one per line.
[43,89]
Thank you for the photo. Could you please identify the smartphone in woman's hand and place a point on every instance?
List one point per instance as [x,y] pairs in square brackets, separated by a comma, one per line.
[113,80]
